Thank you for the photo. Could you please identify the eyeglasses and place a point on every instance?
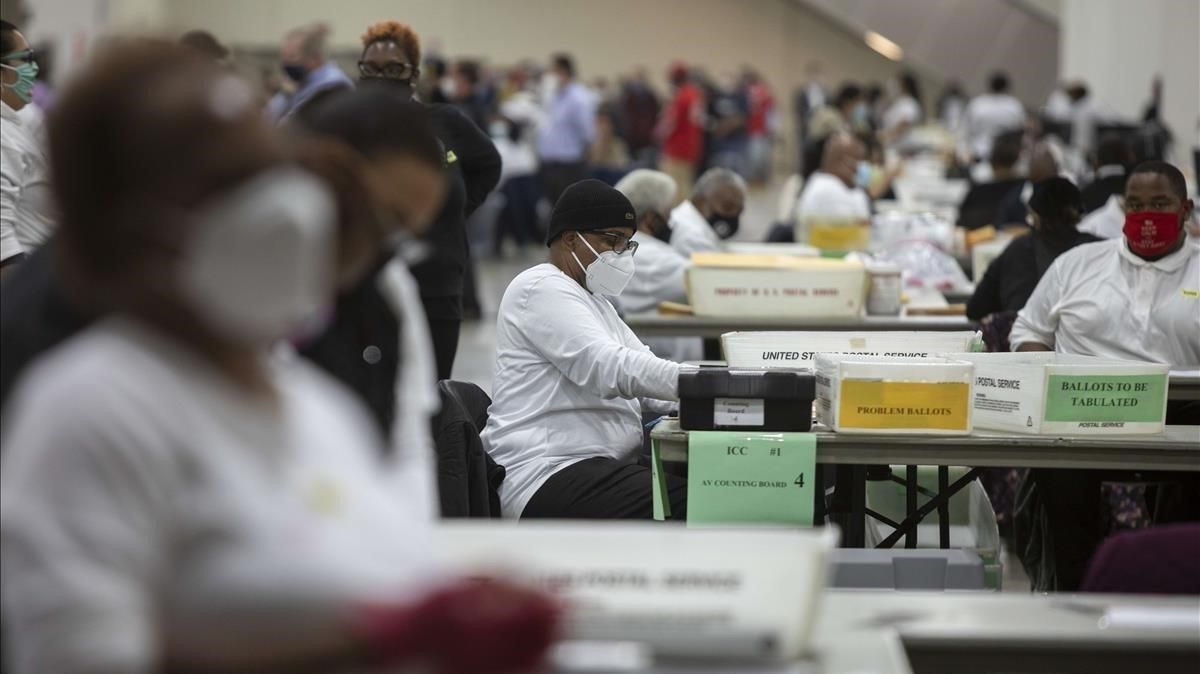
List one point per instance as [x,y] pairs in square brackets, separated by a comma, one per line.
[621,243]
[396,70]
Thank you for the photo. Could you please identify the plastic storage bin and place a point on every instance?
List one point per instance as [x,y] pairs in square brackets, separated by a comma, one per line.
[748,400]
[798,350]
[877,395]
[1054,393]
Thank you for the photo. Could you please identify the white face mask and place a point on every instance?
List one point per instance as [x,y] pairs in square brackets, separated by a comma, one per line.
[261,262]
[609,273]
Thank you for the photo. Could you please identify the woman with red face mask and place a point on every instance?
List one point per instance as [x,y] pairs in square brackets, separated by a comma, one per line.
[1133,298]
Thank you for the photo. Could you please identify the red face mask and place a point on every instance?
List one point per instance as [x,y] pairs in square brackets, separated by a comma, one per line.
[1151,233]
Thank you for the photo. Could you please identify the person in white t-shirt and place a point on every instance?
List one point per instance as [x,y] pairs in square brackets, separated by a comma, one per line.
[174,495]
[990,114]
[1133,298]
[713,213]
[26,219]
[661,272]
[904,112]
[833,192]
[572,380]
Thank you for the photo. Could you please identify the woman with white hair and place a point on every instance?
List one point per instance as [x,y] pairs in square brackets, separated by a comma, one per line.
[660,275]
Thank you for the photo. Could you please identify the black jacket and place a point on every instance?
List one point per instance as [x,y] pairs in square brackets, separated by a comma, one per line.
[1012,277]
[979,207]
[1097,192]
[361,347]
[473,170]
[468,479]
[35,316]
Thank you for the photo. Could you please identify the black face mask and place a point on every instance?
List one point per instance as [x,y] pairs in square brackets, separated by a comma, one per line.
[295,72]
[403,88]
[725,225]
[660,229]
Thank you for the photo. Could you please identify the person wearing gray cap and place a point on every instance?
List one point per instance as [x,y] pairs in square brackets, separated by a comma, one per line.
[572,380]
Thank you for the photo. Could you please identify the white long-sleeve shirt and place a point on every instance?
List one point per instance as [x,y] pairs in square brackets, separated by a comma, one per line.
[987,116]
[1099,299]
[1106,222]
[148,501]
[660,276]
[690,231]
[417,399]
[569,376]
[25,198]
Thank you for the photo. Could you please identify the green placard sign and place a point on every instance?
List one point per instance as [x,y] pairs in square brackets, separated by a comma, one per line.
[1130,398]
[751,478]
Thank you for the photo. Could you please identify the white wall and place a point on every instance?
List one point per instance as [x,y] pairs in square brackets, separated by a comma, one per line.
[1118,46]
[965,40]
[607,37]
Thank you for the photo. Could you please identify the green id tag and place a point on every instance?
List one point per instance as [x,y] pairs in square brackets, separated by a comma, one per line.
[751,478]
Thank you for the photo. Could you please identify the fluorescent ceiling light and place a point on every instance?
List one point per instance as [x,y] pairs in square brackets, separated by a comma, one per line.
[883,45]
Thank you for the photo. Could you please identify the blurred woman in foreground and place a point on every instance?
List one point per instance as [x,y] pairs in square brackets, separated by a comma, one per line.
[174,497]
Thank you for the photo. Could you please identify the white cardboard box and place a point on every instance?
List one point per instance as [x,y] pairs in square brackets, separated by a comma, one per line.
[771,285]
[1052,393]
[877,395]
[983,254]
[746,592]
[799,349]
[751,248]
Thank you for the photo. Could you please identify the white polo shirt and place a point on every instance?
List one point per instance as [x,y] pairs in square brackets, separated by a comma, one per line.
[26,203]
[1099,299]
[690,231]
[571,380]
[147,501]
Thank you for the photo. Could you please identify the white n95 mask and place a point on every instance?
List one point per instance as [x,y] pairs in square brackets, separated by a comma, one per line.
[261,260]
[609,273]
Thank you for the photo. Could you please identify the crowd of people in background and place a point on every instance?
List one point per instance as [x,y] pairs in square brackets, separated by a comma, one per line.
[248,300]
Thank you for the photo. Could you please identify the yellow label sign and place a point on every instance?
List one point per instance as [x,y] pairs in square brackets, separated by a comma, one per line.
[1194,294]
[890,404]
[844,237]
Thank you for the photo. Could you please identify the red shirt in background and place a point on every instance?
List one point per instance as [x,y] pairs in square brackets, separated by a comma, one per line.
[761,103]
[684,120]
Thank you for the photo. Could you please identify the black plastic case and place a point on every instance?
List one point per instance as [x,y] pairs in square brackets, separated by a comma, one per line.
[750,400]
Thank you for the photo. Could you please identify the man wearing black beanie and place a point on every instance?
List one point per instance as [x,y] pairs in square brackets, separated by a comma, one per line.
[572,380]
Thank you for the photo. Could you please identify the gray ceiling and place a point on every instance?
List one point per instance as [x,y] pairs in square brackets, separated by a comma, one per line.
[964,39]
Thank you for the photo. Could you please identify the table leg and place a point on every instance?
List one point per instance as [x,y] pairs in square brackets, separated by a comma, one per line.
[819,497]
[910,489]
[856,536]
[927,508]
[944,508]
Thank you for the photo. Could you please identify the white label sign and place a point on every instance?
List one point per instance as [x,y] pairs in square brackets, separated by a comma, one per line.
[738,412]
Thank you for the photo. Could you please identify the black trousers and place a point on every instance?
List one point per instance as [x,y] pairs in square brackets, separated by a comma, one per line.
[557,176]
[1077,518]
[604,488]
[444,334]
